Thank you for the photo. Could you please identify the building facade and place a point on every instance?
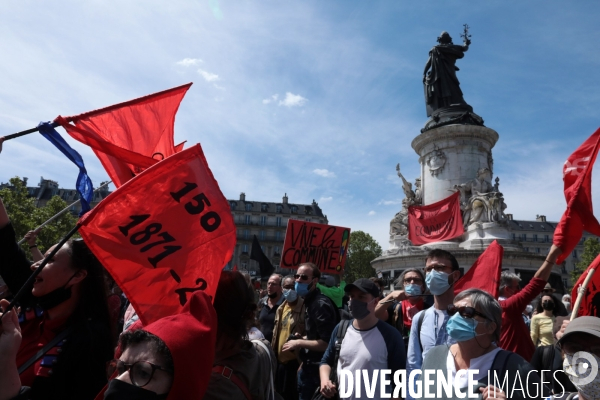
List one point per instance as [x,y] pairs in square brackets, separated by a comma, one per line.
[268,221]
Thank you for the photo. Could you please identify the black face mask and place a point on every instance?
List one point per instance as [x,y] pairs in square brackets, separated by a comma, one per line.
[118,390]
[272,295]
[548,305]
[55,297]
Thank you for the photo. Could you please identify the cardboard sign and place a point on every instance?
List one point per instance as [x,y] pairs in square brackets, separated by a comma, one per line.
[324,245]
[164,234]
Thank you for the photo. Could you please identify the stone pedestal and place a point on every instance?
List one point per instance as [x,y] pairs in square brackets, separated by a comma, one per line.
[451,155]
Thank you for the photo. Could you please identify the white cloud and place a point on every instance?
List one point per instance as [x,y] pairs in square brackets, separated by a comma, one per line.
[188,62]
[271,99]
[389,202]
[324,173]
[325,199]
[293,100]
[371,212]
[208,77]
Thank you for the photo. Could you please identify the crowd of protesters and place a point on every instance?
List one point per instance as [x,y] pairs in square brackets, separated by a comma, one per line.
[74,335]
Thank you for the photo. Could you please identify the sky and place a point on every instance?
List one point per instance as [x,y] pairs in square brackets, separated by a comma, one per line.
[316,99]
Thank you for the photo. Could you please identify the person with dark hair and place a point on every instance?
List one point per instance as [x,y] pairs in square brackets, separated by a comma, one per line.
[428,327]
[65,324]
[320,318]
[543,322]
[268,305]
[169,359]
[241,369]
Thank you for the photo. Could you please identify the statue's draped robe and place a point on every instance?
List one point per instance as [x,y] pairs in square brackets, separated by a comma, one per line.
[441,84]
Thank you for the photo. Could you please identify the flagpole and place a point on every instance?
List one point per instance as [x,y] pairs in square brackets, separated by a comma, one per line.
[580,293]
[64,210]
[26,132]
[27,284]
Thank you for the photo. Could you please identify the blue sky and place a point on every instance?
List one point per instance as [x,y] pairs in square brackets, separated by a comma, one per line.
[316,99]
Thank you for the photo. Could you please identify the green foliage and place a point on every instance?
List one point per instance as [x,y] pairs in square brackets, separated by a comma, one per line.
[361,251]
[25,216]
[591,248]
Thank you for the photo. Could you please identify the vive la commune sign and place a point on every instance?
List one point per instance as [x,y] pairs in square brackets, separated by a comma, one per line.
[324,245]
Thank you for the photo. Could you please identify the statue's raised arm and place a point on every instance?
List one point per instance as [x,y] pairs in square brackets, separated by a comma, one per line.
[406,186]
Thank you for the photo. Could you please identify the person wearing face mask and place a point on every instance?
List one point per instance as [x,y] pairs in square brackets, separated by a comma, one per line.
[400,313]
[513,301]
[368,344]
[428,327]
[269,304]
[289,325]
[321,317]
[168,359]
[67,334]
[582,335]
[543,322]
[475,326]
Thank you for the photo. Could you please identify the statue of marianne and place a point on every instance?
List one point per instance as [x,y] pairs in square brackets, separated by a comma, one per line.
[442,88]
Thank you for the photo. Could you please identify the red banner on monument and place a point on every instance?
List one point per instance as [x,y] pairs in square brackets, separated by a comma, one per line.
[435,222]
[324,245]
[164,234]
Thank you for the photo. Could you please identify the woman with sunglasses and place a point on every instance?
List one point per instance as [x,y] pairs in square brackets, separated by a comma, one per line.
[168,359]
[475,325]
[67,336]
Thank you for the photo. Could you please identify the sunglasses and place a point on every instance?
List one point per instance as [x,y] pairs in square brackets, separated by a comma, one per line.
[140,372]
[418,281]
[302,277]
[464,311]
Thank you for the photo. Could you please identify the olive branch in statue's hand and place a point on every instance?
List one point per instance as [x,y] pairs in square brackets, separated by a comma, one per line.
[465,35]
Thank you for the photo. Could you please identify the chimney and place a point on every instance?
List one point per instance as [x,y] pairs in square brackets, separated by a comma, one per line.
[242,196]
[25,181]
[509,217]
[285,199]
[540,218]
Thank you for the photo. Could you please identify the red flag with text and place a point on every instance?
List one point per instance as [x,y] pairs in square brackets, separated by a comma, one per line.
[485,273]
[129,137]
[579,216]
[590,304]
[435,222]
[163,235]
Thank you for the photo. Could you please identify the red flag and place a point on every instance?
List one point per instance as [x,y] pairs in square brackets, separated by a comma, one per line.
[579,216]
[435,222]
[485,273]
[163,235]
[590,304]
[129,137]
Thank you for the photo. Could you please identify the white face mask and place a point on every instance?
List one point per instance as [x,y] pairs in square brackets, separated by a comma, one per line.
[582,370]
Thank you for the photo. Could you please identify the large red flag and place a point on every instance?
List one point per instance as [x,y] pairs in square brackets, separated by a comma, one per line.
[590,304]
[163,235]
[579,216]
[129,137]
[485,272]
[435,222]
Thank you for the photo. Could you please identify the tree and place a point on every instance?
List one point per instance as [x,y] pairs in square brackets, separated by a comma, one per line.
[361,251]
[25,216]
[591,249]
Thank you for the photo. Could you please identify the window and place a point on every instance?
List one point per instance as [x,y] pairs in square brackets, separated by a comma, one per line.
[264,207]
[294,209]
[245,266]
[262,235]
[247,219]
[535,238]
[537,249]
[244,249]
[276,250]
[514,236]
[524,237]
[546,238]
[248,206]
[278,221]
[279,208]
[574,253]
[246,234]
[278,235]
[308,219]
[263,220]
[233,205]
[527,249]
[565,282]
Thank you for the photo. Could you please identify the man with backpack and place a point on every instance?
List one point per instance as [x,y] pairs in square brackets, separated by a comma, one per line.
[365,343]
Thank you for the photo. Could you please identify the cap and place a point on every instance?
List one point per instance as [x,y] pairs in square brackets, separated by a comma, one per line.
[327,280]
[365,285]
[548,287]
[589,325]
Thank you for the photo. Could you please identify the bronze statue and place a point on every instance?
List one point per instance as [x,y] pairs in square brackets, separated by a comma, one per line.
[443,97]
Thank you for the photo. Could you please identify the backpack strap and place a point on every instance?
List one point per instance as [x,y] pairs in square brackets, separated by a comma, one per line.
[58,338]
[419,325]
[548,356]
[500,362]
[228,373]
[398,319]
[341,333]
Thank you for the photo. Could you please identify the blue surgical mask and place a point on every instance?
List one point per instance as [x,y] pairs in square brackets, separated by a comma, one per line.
[437,282]
[290,295]
[460,328]
[412,289]
[302,289]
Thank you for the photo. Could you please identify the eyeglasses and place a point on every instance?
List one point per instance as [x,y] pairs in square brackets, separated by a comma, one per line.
[302,277]
[437,267]
[289,287]
[140,372]
[464,311]
[418,281]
